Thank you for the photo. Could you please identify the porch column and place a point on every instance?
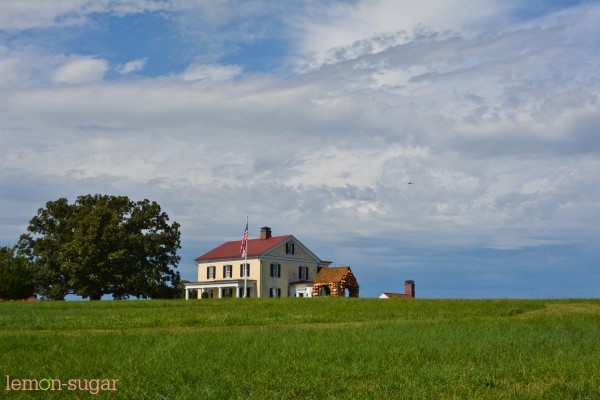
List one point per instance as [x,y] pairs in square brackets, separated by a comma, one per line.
[201,292]
[187,294]
[239,292]
[220,292]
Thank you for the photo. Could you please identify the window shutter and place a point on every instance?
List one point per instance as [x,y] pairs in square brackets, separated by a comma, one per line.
[246,270]
[303,272]
[279,270]
[208,273]
[224,271]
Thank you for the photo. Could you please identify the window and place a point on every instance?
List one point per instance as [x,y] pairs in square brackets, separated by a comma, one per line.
[210,272]
[289,248]
[244,270]
[275,271]
[274,292]
[227,271]
[303,273]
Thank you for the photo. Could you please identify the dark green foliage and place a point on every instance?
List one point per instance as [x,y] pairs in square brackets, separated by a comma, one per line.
[16,279]
[103,245]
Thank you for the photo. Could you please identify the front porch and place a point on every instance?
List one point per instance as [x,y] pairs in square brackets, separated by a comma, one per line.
[301,288]
[223,288]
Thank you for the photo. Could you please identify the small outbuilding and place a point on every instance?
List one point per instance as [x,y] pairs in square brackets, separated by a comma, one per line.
[334,281]
[409,292]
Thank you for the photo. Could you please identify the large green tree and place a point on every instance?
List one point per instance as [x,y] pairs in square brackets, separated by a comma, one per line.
[16,278]
[103,245]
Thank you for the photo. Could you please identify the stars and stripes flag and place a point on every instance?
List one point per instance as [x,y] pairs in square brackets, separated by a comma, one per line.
[244,248]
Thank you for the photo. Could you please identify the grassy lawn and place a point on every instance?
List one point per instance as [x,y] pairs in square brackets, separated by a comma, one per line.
[305,348]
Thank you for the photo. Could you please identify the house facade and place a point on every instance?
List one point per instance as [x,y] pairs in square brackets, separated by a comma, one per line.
[275,266]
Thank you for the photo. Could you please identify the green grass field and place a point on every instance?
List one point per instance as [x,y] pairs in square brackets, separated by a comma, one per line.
[304,349]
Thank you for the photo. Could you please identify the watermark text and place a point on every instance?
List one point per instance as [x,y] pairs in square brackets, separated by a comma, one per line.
[93,386]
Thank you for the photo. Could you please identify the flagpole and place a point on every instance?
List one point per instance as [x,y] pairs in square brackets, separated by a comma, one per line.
[246,265]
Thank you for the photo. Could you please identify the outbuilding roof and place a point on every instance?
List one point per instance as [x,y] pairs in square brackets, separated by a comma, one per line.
[397,295]
[331,274]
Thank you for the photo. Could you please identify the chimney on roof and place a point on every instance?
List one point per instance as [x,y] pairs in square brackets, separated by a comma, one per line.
[409,288]
[265,233]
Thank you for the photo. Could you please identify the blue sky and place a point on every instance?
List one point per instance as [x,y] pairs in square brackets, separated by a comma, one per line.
[311,118]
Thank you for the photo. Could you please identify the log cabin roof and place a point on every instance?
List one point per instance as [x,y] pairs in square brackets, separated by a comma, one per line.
[331,274]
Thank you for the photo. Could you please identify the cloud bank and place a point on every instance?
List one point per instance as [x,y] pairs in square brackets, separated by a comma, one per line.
[491,114]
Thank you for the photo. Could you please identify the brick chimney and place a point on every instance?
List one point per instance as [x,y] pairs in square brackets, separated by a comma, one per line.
[409,288]
[265,233]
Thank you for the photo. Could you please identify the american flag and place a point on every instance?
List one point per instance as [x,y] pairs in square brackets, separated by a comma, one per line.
[244,247]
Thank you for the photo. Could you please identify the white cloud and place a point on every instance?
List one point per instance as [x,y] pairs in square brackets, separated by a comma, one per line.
[199,72]
[497,129]
[20,15]
[132,66]
[81,70]
[10,72]
[15,14]
[21,68]
[349,30]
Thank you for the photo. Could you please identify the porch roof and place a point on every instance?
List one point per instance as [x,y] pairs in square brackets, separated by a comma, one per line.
[236,283]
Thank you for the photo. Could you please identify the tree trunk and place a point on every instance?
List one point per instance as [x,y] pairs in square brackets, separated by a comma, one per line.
[95,296]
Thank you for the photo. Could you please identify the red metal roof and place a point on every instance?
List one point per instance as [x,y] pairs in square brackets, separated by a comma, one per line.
[232,249]
[398,295]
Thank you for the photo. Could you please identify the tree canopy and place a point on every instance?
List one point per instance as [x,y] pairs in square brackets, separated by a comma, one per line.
[16,278]
[103,245]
